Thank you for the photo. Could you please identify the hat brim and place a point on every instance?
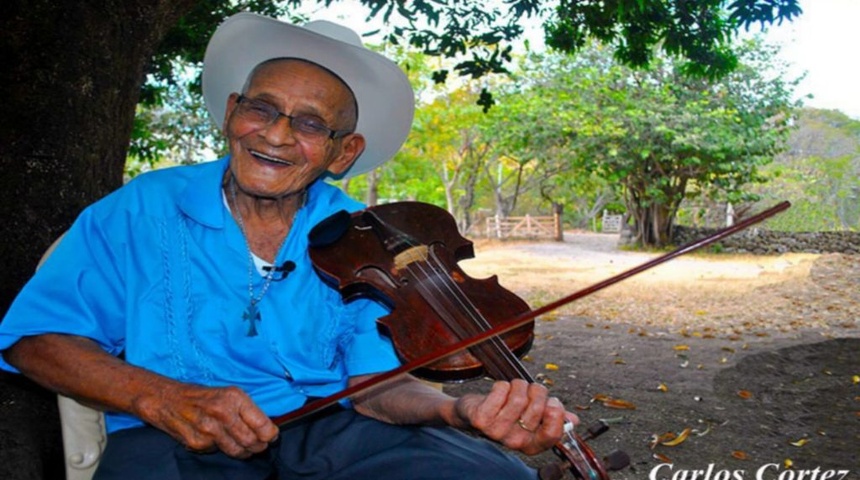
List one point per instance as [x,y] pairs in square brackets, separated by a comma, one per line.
[385,98]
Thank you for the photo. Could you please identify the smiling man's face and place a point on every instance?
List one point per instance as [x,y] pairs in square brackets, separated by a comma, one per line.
[271,161]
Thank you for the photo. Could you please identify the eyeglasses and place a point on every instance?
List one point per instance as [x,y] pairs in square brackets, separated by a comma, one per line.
[308,128]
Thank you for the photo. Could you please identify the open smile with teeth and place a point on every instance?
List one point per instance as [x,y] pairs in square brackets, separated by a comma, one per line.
[267,158]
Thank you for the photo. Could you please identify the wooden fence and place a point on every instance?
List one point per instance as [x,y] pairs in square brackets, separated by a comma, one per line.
[524,227]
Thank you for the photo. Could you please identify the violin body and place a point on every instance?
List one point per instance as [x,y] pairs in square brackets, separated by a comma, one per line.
[405,255]
[416,274]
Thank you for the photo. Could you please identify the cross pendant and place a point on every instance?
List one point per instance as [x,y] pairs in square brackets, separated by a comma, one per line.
[252,315]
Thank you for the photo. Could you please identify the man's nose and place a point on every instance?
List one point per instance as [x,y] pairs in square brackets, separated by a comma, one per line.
[280,131]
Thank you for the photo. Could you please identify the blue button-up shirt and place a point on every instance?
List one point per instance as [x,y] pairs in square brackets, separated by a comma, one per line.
[158,272]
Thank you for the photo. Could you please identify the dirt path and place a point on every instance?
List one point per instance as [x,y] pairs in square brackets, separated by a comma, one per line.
[755,355]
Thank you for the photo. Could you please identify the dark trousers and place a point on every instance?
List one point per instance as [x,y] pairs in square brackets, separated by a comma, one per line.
[341,445]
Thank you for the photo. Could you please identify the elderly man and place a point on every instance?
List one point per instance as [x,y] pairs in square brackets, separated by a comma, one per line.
[185,306]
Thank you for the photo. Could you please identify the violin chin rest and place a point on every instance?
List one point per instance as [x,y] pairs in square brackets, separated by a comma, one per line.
[330,229]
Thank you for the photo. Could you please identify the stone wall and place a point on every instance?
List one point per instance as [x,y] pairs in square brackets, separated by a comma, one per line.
[758,241]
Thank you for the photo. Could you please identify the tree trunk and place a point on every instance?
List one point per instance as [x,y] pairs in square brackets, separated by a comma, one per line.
[653,224]
[71,75]
[558,215]
[372,197]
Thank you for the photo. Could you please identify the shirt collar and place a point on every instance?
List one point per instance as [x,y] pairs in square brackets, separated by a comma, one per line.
[201,199]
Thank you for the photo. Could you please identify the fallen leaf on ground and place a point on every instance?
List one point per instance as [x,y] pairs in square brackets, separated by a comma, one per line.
[800,442]
[681,348]
[619,404]
[745,394]
[551,367]
[600,397]
[610,402]
[662,387]
[740,455]
[677,440]
[662,458]
[702,433]
[658,439]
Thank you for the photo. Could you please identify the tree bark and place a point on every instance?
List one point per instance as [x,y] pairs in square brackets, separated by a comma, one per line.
[372,197]
[71,76]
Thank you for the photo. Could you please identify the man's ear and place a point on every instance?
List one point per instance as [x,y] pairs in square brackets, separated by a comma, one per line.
[232,100]
[351,148]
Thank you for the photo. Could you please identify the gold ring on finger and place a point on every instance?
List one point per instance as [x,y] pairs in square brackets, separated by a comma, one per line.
[522,425]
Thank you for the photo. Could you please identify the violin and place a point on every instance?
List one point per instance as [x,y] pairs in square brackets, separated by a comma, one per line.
[406,255]
[444,325]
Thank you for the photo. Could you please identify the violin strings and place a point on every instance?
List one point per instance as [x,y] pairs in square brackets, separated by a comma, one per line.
[504,360]
[505,355]
[564,450]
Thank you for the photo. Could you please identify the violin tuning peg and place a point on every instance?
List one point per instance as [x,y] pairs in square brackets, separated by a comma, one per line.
[595,430]
[616,460]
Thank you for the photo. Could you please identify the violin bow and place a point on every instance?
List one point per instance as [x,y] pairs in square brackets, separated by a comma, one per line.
[513,323]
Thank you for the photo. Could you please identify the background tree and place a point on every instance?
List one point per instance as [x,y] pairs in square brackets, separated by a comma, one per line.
[819,172]
[447,137]
[662,136]
[539,117]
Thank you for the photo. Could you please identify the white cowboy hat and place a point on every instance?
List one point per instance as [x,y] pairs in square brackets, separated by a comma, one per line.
[385,99]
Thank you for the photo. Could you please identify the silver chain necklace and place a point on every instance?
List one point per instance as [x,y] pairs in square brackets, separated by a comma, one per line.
[252,313]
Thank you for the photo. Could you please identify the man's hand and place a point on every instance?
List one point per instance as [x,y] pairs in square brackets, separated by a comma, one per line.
[517,414]
[204,419]
[201,418]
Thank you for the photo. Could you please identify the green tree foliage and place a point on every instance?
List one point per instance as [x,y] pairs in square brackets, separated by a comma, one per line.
[819,173]
[582,131]
[662,136]
[539,120]
[173,129]
[700,31]
[447,136]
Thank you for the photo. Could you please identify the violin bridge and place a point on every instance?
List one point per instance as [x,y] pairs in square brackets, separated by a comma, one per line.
[418,253]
